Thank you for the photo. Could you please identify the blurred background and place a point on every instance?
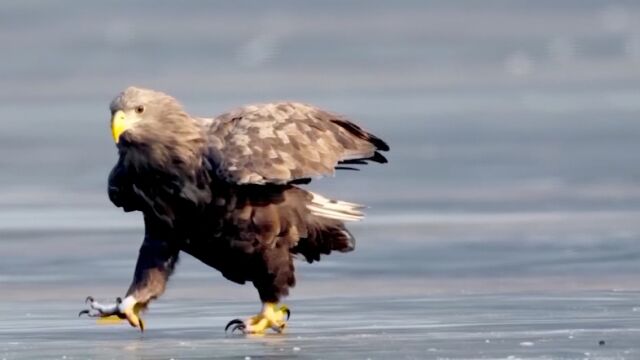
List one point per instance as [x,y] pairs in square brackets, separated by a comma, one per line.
[506,224]
[513,126]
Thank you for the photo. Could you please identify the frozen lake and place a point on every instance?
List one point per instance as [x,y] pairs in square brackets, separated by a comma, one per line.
[592,325]
[504,227]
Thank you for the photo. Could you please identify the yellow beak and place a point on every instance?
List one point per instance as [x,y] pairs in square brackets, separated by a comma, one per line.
[119,124]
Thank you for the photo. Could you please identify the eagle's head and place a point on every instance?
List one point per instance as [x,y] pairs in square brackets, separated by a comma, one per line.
[152,130]
[144,114]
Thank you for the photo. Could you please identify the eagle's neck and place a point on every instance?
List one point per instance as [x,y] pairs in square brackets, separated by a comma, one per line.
[176,148]
[168,171]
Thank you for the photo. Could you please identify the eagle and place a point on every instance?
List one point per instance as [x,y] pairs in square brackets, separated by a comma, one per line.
[229,191]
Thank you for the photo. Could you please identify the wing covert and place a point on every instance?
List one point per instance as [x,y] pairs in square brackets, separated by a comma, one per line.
[279,143]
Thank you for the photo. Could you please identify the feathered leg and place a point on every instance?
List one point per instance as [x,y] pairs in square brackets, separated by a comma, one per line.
[156,261]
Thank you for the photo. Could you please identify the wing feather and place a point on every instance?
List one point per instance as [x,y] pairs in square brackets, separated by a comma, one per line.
[279,143]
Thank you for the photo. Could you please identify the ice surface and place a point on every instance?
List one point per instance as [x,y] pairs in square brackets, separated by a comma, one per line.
[525,326]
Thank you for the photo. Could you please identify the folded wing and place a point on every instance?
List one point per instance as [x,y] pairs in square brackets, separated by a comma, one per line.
[282,143]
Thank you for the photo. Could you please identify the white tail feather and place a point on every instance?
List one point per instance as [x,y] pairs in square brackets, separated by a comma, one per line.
[335,209]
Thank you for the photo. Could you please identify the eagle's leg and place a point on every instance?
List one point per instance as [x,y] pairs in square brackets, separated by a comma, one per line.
[272,316]
[156,261]
[273,284]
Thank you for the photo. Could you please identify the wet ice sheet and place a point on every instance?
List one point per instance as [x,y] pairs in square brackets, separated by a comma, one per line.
[420,285]
[508,326]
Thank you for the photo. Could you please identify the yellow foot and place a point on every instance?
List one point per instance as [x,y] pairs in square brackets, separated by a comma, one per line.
[271,317]
[129,310]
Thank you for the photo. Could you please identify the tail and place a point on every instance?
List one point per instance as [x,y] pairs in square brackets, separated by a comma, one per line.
[326,231]
[334,209]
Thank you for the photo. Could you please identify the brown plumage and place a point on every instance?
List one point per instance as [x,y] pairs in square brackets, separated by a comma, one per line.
[278,143]
[226,189]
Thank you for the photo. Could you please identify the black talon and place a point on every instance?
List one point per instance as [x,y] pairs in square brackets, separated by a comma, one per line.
[238,324]
[280,328]
[288,312]
[83,312]
[88,299]
[240,327]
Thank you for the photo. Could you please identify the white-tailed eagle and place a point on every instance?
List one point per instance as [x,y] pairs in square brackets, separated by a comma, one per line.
[227,190]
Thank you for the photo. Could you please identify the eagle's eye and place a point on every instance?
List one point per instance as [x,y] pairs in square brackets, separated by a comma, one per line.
[139,109]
